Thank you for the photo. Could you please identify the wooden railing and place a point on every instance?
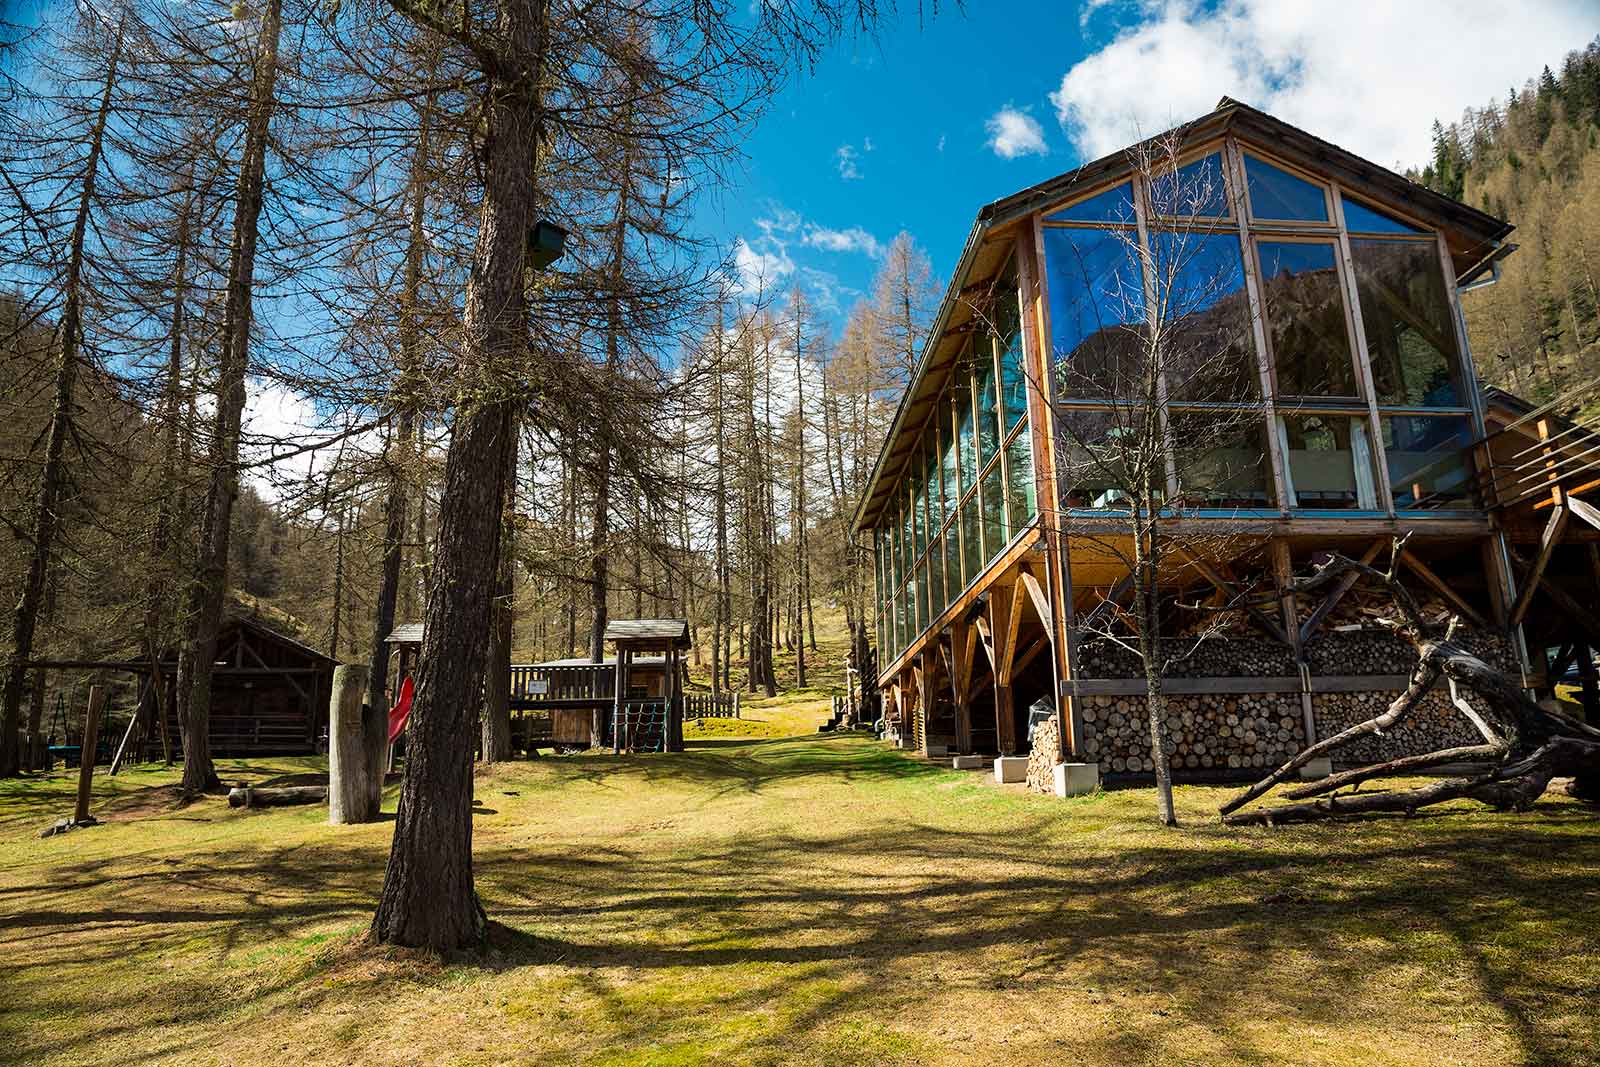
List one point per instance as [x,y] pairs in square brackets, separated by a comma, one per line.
[1550,451]
[534,685]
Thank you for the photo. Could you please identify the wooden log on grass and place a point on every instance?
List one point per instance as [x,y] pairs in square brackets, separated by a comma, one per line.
[276,796]
[357,738]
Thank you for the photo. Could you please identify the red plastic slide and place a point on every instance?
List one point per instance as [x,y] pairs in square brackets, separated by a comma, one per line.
[401,710]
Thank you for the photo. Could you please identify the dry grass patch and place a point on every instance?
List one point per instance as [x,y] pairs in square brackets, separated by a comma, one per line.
[809,901]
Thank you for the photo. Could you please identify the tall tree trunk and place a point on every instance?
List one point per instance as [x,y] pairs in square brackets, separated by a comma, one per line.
[599,558]
[399,452]
[428,900]
[52,474]
[1146,593]
[199,776]
[496,741]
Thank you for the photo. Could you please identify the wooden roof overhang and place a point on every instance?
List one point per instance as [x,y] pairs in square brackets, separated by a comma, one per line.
[1476,240]
[663,634]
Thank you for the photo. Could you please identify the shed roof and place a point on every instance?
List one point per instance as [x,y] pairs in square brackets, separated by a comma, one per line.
[609,661]
[669,632]
[407,633]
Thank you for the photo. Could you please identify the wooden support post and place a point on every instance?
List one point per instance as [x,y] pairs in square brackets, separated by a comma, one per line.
[356,741]
[1591,684]
[1005,720]
[961,651]
[86,757]
[133,724]
[619,692]
[1547,547]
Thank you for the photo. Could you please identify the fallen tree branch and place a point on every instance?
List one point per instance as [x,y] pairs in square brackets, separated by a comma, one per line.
[1403,765]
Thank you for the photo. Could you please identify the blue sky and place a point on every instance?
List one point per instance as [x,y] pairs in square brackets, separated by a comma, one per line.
[920,127]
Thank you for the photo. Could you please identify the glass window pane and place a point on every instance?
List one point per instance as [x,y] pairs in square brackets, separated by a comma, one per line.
[913,607]
[971,545]
[919,527]
[1306,320]
[1330,462]
[952,563]
[1359,218]
[1429,460]
[1405,311]
[947,459]
[936,577]
[930,478]
[1021,503]
[1277,194]
[1013,384]
[994,512]
[1221,458]
[1195,191]
[1096,310]
[924,600]
[1206,339]
[1097,456]
[988,418]
[962,400]
[1113,205]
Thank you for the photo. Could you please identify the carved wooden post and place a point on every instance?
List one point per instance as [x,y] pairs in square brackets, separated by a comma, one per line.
[357,737]
[86,756]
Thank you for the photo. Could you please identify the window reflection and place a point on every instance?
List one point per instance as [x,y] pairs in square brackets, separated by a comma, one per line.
[1196,190]
[1277,194]
[994,512]
[1096,310]
[971,545]
[952,562]
[1306,319]
[1221,458]
[961,402]
[1013,380]
[1021,505]
[1359,218]
[1405,312]
[1099,453]
[988,424]
[1113,205]
[1206,346]
[1330,461]
[1429,460]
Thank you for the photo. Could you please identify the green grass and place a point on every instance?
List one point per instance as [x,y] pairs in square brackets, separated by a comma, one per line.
[815,900]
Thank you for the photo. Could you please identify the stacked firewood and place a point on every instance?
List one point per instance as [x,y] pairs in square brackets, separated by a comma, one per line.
[1435,724]
[1042,757]
[1205,731]
[1215,657]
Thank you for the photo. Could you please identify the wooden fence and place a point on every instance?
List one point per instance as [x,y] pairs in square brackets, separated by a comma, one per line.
[711,705]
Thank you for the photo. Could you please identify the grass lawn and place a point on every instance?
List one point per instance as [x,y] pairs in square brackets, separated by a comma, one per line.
[801,901]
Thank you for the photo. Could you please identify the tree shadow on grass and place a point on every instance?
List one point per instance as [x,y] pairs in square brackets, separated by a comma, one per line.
[803,926]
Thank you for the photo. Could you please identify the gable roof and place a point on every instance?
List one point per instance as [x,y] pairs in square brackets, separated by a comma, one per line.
[637,631]
[1474,239]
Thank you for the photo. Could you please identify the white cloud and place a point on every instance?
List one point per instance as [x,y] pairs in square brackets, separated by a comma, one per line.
[760,270]
[854,239]
[866,144]
[845,156]
[1014,133]
[279,421]
[1372,79]
[941,142]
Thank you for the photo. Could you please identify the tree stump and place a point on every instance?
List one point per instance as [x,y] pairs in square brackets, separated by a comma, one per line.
[357,736]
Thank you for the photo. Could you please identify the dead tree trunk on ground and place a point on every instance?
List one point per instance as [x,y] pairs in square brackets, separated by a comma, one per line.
[1525,745]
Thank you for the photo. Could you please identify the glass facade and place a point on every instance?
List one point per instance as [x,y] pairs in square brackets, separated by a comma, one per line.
[1351,332]
[970,490]
[1342,356]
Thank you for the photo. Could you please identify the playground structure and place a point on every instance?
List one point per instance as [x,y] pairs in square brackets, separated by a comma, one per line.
[633,701]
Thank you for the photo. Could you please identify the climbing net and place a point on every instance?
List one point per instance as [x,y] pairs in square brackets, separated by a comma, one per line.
[642,727]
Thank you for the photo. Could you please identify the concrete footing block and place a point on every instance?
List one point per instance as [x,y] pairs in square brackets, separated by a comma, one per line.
[1317,768]
[1011,769]
[1076,779]
[938,750]
[967,763]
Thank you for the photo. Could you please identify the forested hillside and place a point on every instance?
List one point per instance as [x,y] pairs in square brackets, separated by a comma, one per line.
[1533,158]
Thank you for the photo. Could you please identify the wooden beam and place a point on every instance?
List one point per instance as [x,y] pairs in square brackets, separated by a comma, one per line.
[1041,602]
[1261,618]
[1576,612]
[1342,587]
[1584,510]
[1442,587]
[1109,603]
[982,626]
[1013,621]
[1547,547]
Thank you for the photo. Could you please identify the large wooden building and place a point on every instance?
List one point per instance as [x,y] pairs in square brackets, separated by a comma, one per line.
[1331,305]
